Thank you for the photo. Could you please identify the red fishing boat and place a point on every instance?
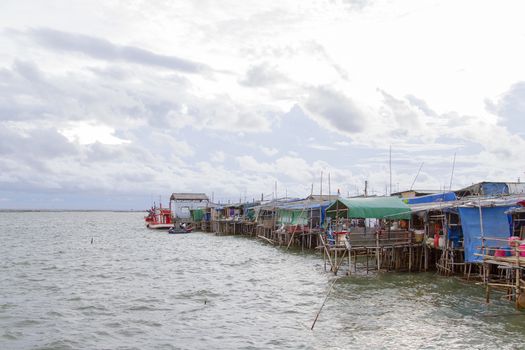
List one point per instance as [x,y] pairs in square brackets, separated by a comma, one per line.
[159,218]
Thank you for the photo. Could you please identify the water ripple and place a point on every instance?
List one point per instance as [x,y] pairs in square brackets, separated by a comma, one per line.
[139,289]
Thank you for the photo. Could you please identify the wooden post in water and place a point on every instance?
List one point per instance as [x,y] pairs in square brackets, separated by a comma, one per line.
[377,251]
[326,298]
[518,278]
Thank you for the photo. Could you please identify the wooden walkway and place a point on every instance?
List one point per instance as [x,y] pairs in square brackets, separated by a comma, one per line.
[384,250]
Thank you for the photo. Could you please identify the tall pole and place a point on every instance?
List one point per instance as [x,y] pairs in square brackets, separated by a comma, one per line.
[452,174]
[413,182]
[390,166]
[321,190]
[329,187]
[321,200]
[311,209]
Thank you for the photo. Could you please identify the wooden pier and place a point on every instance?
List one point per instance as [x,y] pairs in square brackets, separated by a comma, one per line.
[503,271]
[381,250]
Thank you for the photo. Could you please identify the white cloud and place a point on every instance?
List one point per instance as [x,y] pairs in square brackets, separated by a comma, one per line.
[269,151]
[85,133]
[201,97]
[218,157]
[322,147]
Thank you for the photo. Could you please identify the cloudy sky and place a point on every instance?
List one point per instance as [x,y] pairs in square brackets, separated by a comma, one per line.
[111,104]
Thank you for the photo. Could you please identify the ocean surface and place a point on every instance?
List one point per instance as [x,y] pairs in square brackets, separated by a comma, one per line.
[101,280]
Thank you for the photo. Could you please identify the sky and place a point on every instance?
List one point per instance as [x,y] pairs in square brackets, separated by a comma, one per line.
[116,104]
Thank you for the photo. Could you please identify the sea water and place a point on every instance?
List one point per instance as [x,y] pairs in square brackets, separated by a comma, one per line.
[101,280]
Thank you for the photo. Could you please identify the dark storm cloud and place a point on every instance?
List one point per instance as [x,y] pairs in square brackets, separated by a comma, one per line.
[335,108]
[106,50]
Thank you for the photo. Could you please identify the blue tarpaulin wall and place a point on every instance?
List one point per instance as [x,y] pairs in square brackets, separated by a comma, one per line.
[495,225]
[495,188]
[441,197]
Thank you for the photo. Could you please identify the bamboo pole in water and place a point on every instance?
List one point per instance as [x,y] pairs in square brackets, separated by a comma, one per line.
[325,299]
[266,239]
[518,273]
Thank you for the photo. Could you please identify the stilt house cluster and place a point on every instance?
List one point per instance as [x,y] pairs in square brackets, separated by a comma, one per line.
[477,232]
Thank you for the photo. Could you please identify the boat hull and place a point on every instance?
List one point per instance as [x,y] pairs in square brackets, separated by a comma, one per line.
[179,230]
[159,226]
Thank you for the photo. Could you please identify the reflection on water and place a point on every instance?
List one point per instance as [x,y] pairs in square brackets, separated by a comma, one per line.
[134,289]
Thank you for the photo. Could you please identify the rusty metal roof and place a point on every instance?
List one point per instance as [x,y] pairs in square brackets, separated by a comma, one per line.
[189,197]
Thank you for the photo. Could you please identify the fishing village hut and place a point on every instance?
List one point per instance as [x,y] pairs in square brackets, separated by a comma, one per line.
[453,229]
[438,227]
[230,217]
[249,215]
[236,218]
[482,232]
[266,217]
[511,279]
[478,230]
[182,203]
[483,189]
[493,240]
[375,228]
[201,217]
[209,216]
[301,221]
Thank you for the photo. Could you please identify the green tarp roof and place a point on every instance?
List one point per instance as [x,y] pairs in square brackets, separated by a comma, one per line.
[371,207]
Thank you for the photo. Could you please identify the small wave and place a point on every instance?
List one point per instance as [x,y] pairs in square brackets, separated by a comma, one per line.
[91,307]
[27,323]
[147,323]
[60,345]
[113,324]
[197,293]
[103,334]
[146,308]
[74,299]
[131,331]
[54,314]
[7,306]
[10,336]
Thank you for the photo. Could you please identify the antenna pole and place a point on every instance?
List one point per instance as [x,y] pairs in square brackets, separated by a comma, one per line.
[413,182]
[329,187]
[390,167]
[321,190]
[452,174]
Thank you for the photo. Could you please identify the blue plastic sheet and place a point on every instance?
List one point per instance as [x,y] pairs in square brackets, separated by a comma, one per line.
[495,188]
[495,225]
[441,197]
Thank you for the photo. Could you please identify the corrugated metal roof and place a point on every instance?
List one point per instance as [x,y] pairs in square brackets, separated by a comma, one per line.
[189,197]
[469,202]
[324,197]
[304,205]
